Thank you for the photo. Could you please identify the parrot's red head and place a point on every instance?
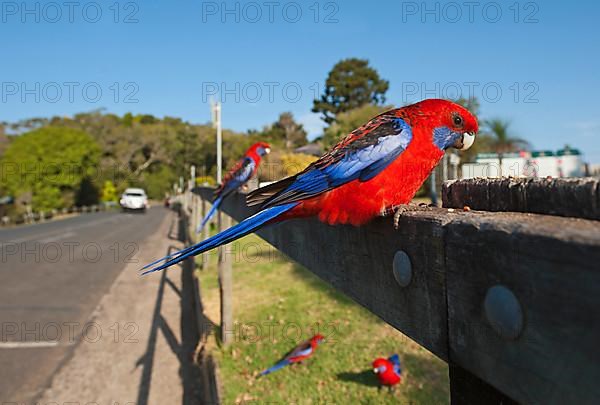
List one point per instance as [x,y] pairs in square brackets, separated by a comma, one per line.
[380,365]
[450,124]
[259,148]
[317,339]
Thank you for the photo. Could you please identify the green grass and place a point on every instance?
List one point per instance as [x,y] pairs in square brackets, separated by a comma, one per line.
[277,304]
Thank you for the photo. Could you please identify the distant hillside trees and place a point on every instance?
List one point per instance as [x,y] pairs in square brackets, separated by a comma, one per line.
[54,165]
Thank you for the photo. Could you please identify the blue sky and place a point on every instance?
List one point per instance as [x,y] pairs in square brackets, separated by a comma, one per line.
[534,63]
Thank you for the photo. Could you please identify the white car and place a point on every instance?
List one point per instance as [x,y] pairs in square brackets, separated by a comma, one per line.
[134,199]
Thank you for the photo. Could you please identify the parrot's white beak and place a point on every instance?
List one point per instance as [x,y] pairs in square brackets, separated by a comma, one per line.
[267,150]
[376,370]
[466,141]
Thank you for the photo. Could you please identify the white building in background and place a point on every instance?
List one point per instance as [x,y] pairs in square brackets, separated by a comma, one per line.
[566,162]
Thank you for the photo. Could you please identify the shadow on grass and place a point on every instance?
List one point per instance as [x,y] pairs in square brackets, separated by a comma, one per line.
[366,378]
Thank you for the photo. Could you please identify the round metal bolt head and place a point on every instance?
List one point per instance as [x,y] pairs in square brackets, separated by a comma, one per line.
[503,311]
[402,268]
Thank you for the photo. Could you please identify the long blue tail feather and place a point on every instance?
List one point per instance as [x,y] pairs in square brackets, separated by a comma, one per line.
[276,367]
[211,213]
[245,227]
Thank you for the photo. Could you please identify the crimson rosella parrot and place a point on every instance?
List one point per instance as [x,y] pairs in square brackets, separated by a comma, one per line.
[239,175]
[300,353]
[372,171]
[388,371]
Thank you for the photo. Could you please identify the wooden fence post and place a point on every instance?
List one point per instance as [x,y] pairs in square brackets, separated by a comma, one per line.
[194,221]
[225,284]
[205,255]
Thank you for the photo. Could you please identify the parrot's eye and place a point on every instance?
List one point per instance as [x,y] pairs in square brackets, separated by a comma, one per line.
[458,121]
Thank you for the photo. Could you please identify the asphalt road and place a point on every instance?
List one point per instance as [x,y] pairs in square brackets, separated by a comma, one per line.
[52,276]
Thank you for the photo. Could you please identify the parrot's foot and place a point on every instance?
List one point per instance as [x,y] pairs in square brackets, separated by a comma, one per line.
[399,211]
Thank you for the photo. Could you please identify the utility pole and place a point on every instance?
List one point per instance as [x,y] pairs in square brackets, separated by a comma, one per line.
[216,119]
[225,276]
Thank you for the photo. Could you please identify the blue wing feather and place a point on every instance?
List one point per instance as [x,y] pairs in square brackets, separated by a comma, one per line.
[239,177]
[395,359]
[362,158]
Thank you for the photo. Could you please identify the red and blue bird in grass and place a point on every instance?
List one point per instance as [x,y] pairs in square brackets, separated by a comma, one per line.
[388,371]
[297,355]
[371,172]
[237,177]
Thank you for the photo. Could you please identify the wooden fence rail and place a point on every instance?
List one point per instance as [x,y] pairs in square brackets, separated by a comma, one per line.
[510,300]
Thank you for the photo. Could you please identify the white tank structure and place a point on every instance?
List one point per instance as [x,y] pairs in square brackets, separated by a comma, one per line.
[566,162]
[570,163]
[543,164]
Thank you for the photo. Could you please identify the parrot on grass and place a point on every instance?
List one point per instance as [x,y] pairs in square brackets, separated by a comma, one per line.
[239,175]
[388,371]
[372,171]
[297,355]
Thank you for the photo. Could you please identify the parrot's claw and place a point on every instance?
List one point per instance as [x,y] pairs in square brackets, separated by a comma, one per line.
[401,209]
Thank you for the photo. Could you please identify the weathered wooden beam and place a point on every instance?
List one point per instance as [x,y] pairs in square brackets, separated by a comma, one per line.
[524,304]
[359,262]
[512,298]
[577,198]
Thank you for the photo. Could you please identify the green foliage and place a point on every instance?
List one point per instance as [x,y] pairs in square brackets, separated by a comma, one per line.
[4,140]
[348,121]
[158,181]
[52,163]
[137,149]
[205,180]
[351,83]
[109,192]
[502,139]
[285,132]
[128,120]
[293,163]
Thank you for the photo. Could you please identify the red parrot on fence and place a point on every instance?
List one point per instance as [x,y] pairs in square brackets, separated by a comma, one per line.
[373,170]
[239,175]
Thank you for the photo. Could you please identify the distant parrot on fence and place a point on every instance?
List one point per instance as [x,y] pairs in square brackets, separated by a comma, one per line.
[371,172]
[388,371]
[239,175]
[300,353]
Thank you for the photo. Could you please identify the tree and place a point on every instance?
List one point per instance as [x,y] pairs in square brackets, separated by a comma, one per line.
[501,140]
[351,83]
[109,192]
[348,121]
[471,104]
[285,131]
[54,164]
[4,139]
